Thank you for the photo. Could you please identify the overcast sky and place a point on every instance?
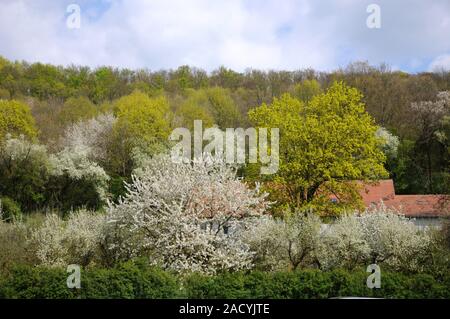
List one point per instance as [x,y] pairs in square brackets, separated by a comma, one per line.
[273,34]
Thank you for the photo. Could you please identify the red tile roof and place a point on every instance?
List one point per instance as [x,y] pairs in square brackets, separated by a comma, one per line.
[410,205]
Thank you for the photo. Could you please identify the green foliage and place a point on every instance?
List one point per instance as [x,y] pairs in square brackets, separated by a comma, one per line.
[132,280]
[68,194]
[16,119]
[226,78]
[14,247]
[212,105]
[190,111]
[313,284]
[9,210]
[306,90]
[76,109]
[34,179]
[3,62]
[143,123]
[24,282]
[24,172]
[323,143]
[104,84]
[44,81]
[117,187]
[58,96]
[222,107]
[4,94]
[137,280]
[143,118]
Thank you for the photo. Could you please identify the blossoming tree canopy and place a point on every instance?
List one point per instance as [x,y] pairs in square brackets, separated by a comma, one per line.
[178,213]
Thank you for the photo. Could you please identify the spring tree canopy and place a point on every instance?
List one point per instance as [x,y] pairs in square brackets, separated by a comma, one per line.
[324,146]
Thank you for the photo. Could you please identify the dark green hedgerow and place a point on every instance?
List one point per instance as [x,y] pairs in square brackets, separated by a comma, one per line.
[309,284]
[137,280]
[128,280]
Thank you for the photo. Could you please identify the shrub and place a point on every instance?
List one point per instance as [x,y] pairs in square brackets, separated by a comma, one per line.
[93,136]
[282,244]
[16,119]
[9,210]
[14,246]
[130,280]
[77,181]
[377,236]
[136,279]
[74,241]
[24,171]
[446,232]
[307,284]
[68,179]
[24,282]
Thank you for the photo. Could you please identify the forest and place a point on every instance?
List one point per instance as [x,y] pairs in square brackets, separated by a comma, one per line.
[85,176]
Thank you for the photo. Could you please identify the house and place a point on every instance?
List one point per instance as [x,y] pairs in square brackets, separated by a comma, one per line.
[425,210]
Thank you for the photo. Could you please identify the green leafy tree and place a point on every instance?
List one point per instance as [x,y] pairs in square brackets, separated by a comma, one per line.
[44,81]
[189,111]
[3,62]
[211,104]
[4,93]
[76,109]
[16,119]
[142,122]
[226,78]
[24,171]
[324,145]
[77,80]
[223,108]
[104,84]
[307,89]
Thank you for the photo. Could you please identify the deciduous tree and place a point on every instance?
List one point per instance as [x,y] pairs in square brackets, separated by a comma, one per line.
[324,144]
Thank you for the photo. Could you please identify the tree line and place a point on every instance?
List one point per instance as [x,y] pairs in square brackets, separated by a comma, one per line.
[53,105]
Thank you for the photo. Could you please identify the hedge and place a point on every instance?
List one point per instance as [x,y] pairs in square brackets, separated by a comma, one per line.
[138,280]
[313,284]
[130,280]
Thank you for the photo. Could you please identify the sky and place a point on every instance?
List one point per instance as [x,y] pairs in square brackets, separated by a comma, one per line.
[413,35]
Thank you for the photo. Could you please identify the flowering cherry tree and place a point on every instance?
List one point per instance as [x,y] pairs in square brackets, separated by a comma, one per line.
[185,217]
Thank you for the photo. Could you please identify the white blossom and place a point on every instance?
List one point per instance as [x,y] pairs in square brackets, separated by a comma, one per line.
[343,244]
[377,236]
[74,241]
[390,142]
[75,164]
[20,149]
[282,244]
[177,214]
[91,136]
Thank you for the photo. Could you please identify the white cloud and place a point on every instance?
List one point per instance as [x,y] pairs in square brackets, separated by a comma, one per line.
[442,62]
[265,34]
